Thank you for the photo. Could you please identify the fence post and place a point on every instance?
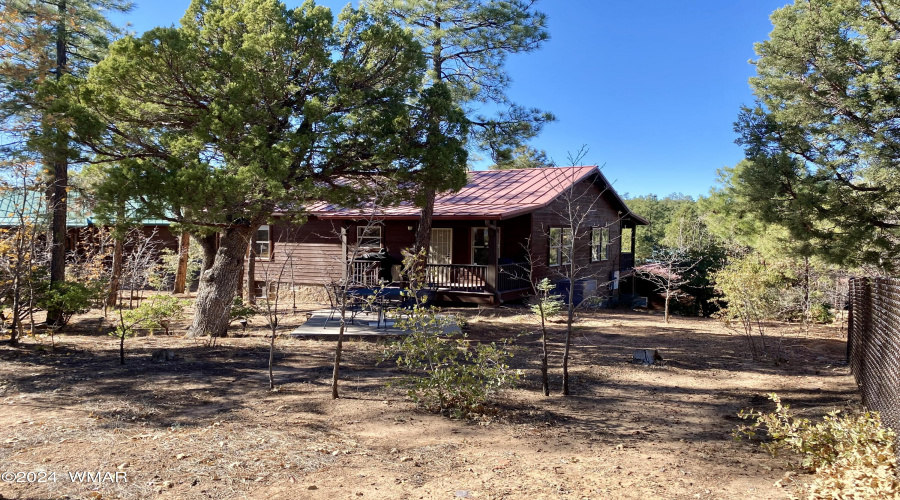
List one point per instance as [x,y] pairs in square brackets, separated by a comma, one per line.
[849,318]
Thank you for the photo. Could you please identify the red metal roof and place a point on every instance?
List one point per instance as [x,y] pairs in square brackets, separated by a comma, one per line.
[490,194]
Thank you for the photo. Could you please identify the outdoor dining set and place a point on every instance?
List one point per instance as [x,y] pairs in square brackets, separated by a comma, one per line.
[386,303]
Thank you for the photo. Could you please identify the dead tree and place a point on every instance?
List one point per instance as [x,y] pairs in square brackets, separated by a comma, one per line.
[24,251]
[668,272]
[273,281]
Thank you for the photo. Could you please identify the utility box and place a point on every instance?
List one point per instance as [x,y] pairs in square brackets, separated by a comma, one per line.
[584,289]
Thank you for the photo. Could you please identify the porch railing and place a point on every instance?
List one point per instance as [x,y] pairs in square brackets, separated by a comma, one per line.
[473,278]
[365,273]
[456,277]
[514,276]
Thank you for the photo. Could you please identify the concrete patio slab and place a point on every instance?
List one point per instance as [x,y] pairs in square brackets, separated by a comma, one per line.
[364,325]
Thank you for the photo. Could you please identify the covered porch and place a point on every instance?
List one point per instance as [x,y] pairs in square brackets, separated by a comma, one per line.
[460,282]
[475,261]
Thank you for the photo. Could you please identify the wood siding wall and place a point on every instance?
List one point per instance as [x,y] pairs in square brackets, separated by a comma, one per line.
[586,196]
[309,254]
[314,249]
[82,239]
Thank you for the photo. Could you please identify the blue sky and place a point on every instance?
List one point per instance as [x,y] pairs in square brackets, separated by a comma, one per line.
[651,88]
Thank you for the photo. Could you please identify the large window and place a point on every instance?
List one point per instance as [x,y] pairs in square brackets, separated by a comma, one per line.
[368,236]
[262,242]
[599,243]
[560,246]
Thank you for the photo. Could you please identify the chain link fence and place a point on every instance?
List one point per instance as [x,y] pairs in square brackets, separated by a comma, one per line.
[873,344]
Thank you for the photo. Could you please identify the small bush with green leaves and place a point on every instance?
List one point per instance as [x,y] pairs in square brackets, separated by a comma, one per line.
[71,298]
[852,454]
[158,311]
[241,311]
[458,378]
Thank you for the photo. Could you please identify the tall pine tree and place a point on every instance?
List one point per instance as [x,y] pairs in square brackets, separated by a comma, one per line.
[822,142]
[466,43]
[41,41]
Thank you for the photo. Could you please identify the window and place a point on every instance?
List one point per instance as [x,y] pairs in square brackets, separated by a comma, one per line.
[262,243]
[599,243]
[626,240]
[480,246]
[560,245]
[368,236]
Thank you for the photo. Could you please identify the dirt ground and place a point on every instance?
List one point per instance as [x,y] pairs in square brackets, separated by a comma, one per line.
[205,426]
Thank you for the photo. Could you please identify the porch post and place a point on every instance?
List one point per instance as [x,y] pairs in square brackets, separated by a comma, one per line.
[491,275]
[634,242]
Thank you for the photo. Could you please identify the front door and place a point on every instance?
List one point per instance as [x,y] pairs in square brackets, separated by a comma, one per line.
[440,252]
[441,249]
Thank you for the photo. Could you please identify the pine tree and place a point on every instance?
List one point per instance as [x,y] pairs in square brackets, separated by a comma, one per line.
[250,107]
[466,43]
[43,40]
[821,142]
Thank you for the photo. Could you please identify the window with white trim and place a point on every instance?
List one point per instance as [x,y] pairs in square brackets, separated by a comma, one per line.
[599,243]
[368,237]
[560,246]
[262,242]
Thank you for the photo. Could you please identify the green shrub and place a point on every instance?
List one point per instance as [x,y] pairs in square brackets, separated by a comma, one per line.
[71,298]
[240,311]
[852,454]
[821,313]
[452,376]
[158,311]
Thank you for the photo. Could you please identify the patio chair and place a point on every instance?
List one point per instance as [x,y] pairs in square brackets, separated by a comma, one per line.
[336,297]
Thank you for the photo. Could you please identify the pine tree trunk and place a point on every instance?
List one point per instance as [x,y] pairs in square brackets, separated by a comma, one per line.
[56,192]
[219,283]
[423,235]
[183,254]
[208,244]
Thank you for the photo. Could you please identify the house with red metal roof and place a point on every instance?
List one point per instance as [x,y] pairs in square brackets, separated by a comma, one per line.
[489,240]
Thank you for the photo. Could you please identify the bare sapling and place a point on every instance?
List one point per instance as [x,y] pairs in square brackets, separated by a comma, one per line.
[583,231]
[668,272]
[365,237]
[272,286]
